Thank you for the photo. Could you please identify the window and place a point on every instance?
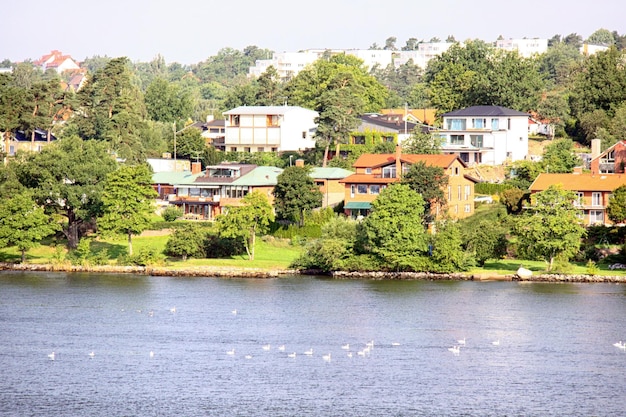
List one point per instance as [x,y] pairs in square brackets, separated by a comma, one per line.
[271,120]
[455,171]
[260,149]
[459,192]
[596,216]
[455,124]
[246,149]
[479,123]
[375,189]
[387,138]
[579,199]
[457,139]
[233,149]
[449,192]
[352,190]
[358,140]
[467,192]
[468,208]
[274,149]
[508,123]
[361,189]
[235,120]
[368,170]
[495,124]
[389,171]
[476,140]
[303,135]
[464,157]
[596,199]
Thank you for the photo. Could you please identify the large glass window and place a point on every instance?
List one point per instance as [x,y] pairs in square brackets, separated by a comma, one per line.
[479,123]
[389,171]
[579,199]
[358,140]
[455,124]
[457,139]
[375,189]
[476,140]
[596,199]
[495,124]
[596,216]
[361,189]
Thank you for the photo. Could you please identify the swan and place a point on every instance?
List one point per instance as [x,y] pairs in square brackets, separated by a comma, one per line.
[326,357]
[395,344]
[151,354]
[281,348]
[361,353]
[231,352]
[349,354]
[309,352]
[173,310]
[619,344]
[496,342]
[461,341]
[370,344]
[234,312]
[51,356]
[346,346]
[292,355]
[248,356]
[455,349]
[92,354]
[266,347]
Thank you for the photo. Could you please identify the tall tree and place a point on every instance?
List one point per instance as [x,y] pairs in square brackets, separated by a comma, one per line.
[67,178]
[167,102]
[601,37]
[616,209]
[128,201]
[559,157]
[429,181]
[422,143]
[394,230]
[246,221]
[23,223]
[551,229]
[295,193]
[12,106]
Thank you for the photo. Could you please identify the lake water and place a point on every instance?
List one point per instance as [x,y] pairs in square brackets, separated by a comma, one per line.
[555,357]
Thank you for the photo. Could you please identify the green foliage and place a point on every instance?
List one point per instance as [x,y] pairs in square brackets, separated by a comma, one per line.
[189,144]
[394,230]
[447,251]
[216,246]
[84,255]
[559,157]
[188,240]
[167,102]
[521,174]
[513,199]
[143,257]
[246,221]
[128,201]
[485,239]
[422,143]
[429,181]
[23,223]
[551,228]
[490,188]
[171,213]
[292,231]
[295,193]
[592,268]
[616,209]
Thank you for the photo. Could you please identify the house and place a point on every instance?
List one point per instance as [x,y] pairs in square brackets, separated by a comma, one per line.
[204,194]
[328,180]
[57,61]
[611,161]
[525,47]
[422,55]
[374,172]
[269,129]
[419,116]
[489,135]
[29,142]
[592,191]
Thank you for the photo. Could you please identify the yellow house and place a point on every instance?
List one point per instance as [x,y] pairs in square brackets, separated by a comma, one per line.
[374,172]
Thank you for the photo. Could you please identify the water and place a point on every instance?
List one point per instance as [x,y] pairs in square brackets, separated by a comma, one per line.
[555,355]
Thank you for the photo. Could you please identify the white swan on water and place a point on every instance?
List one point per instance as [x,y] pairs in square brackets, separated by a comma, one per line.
[267,347]
[281,348]
[461,341]
[92,354]
[231,352]
[619,344]
[292,355]
[326,357]
[496,342]
[51,356]
[346,346]
[309,352]
[455,349]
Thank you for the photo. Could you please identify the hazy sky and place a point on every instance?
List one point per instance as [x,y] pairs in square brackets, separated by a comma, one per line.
[189,31]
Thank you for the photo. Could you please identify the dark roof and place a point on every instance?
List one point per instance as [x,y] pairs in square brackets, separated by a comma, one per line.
[40,135]
[485,111]
[389,121]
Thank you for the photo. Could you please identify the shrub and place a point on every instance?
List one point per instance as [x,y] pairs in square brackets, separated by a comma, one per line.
[171,213]
[219,247]
[186,241]
[144,257]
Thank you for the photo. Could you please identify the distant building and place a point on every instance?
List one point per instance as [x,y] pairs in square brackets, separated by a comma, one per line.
[525,47]
[57,61]
[590,49]
[269,129]
[424,53]
[611,161]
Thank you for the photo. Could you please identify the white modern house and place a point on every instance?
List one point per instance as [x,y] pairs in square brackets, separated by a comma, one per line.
[489,135]
[269,129]
[525,47]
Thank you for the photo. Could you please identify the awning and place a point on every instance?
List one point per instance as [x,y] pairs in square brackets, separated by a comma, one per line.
[358,205]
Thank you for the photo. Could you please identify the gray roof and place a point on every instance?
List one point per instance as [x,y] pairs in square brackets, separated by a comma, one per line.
[331,173]
[479,111]
[169,177]
[265,110]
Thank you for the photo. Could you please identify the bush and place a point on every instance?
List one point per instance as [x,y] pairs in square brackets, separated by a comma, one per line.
[220,247]
[171,213]
[144,257]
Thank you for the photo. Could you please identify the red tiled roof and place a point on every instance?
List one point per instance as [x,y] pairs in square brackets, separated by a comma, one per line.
[370,160]
[579,182]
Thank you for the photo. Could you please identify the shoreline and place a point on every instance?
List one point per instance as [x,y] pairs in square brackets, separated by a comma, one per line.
[234,272]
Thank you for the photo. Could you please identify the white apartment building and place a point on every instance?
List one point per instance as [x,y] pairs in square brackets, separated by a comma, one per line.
[269,129]
[424,53]
[524,47]
[489,135]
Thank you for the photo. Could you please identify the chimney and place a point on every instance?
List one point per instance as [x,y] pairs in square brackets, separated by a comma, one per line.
[398,162]
[300,162]
[596,148]
[209,118]
[196,167]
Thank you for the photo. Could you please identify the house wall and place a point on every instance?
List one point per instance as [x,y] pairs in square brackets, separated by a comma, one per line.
[611,161]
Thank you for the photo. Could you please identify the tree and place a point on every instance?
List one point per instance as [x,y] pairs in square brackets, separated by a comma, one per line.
[295,193]
[601,37]
[553,108]
[12,105]
[246,221]
[67,178]
[422,143]
[429,181]
[559,157]
[167,102]
[186,241]
[616,209]
[189,143]
[390,43]
[486,240]
[128,201]
[447,251]
[394,231]
[23,223]
[550,229]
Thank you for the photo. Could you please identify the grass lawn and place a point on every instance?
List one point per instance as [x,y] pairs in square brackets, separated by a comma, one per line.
[509,266]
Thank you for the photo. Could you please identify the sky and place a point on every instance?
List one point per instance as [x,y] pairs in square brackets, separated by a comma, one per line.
[190,31]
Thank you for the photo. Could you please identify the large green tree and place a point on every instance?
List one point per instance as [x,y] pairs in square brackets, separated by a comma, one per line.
[551,228]
[23,223]
[394,231]
[246,221]
[167,102]
[559,157]
[429,181]
[67,178]
[295,193]
[616,209]
[128,201]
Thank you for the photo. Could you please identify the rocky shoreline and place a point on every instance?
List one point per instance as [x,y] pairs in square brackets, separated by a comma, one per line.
[229,272]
